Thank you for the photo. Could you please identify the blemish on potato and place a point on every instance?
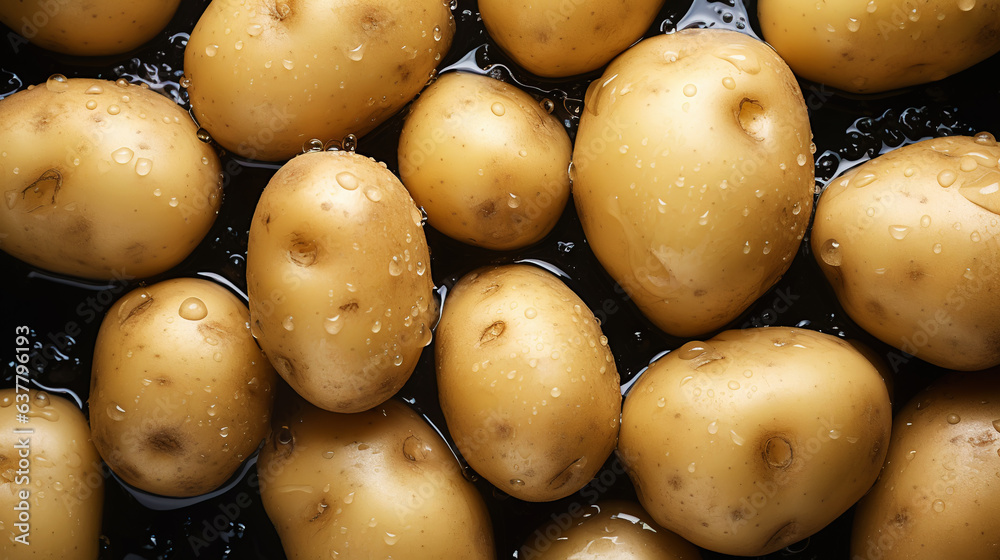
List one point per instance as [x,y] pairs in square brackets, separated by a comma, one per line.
[166,441]
[492,332]
[303,252]
[751,118]
[777,452]
[42,191]
[349,306]
[567,474]
[783,536]
[133,307]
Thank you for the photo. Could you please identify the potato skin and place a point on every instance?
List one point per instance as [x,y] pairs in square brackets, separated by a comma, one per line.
[608,530]
[526,381]
[755,439]
[92,28]
[338,273]
[485,161]
[694,175]
[939,493]
[914,262]
[374,484]
[102,180]
[555,38]
[267,77]
[64,479]
[867,47]
[180,394]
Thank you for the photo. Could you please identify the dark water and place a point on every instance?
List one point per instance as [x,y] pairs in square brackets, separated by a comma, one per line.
[64,313]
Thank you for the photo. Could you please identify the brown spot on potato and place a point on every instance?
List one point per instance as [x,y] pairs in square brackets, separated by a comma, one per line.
[676,483]
[137,310]
[777,452]
[700,292]
[320,510]
[916,273]
[487,209]
[490,288]
[492,332]
[876,309]
[166,441]
[505,430]
[901,519]
[349,306]
[984,439]
[564,476]
[41,192]
[752,119]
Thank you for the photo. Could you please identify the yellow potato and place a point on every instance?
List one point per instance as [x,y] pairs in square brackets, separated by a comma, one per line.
[103,180]
[338,273]
[939,492]
[267,76]
[908,241]
[52,489]
[755,439]
[694,175]
[91,28]
[868,46]
[376,484]
[556,38]
[180,395]
[603,531]
[526,381]
[485,161]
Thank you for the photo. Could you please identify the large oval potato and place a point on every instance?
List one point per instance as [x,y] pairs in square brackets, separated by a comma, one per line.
[103,180]
[694,175]
[526,381]
[52,488]
[556,38]
[376,484]
[755,439]
[939,492]
[608,530]
[180,394]
[338,273]
[91,28]
[868,46]
[908,241]
[485,161]
[266,77]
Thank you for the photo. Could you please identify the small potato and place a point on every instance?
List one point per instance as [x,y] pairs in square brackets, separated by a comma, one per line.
[180,394]
[103,180]
[939,493]
[526,381]
[868,46]
[909,243]
[52,489]
[485,161]
[338,274]
[694,175]
[376,484]
[91,28]
[755,439]
[610,530]
[268,76]
[556,38]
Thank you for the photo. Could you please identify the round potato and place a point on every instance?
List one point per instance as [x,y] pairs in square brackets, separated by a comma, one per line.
[267,77]
[485,161]
[339,279]
[103,180]
[180,394]
[694,175]
[908,241]
[52,489]
[868,46]
[526,381]
[939,493]
[604,531]
[92,28]
[377,484]
[755,439]
[555,38]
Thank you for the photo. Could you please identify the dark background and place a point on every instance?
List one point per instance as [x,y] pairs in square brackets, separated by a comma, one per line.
[847,129]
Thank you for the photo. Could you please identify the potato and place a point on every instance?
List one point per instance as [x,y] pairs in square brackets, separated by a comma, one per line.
[603,531]
[103,180]
[526,381]
[267,76]
[694,175]
[485,161]
[339,279]
[555,38]
[377,484]
[52,490]
[92,28]
[868,46]
[939,492]
[755,439]
[908,241]
[179,394]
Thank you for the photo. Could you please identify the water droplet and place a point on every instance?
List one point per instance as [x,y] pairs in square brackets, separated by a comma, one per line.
[968,163]
[57,83]
[690,90]
[966,5]
[691,468]
[357,53]
[733,385]
[193,309]
[328,455]
[530,313]
[713,427]
[853,24]
[91,105]
[376,326]
[349,498]
[114,109]
[737,439]
[116,412]
[662,402]
[98,89]
[555,392]
[728,83]
[746,248]
[947,178]
[830,253]
[254,30]
[288,64]
[498,109]
[898,232]
[954,418]
[373,193]
[288,323]
[548,106]
[513,201]
[395,266]
[391,538]
[143,166]
[122,155]
[834,434]
[996,424]
[938,506]
[211,50]
[937,248]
